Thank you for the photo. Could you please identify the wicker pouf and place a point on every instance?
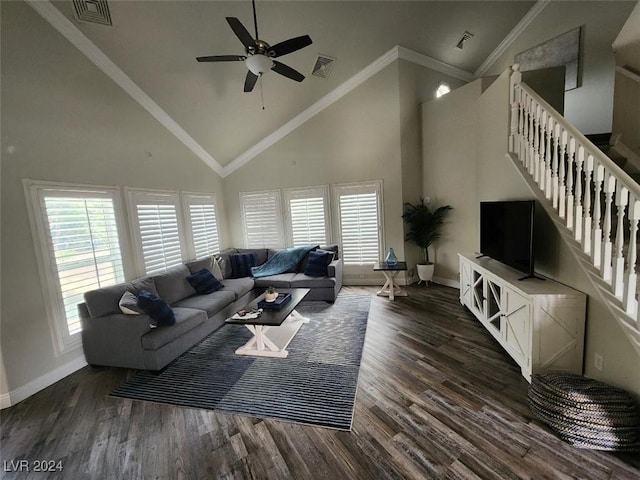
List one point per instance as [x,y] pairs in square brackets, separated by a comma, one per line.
[586,413]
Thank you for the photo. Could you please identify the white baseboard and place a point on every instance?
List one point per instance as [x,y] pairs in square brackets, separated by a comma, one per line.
[5,400]
[447,282]
[40,383]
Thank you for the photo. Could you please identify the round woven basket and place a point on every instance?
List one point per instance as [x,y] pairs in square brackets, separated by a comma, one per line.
[585,412]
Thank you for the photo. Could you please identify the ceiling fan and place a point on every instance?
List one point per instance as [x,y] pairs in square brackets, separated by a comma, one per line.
[259,57]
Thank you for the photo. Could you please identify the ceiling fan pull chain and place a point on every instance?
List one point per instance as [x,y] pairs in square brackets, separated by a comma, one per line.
[261,93]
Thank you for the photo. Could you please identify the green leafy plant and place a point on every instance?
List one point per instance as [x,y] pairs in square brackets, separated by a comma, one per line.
[271,290]
[424,224]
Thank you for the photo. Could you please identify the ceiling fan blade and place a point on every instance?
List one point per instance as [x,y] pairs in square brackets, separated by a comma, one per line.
[290,45]
[250,81]
[222,58]
[241,32]
[286,71]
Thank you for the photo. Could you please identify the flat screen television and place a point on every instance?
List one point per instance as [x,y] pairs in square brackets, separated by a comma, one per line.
[506,233]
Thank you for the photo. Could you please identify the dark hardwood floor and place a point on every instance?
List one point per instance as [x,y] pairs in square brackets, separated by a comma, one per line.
[437,398]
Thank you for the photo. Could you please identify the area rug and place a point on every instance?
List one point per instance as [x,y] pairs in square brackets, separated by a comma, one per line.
[316,384]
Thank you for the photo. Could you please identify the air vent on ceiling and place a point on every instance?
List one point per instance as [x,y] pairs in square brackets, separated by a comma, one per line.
[323,66]
[465,36]
[94,11]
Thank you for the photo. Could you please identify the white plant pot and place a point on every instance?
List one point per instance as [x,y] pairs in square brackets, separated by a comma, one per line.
[425,272]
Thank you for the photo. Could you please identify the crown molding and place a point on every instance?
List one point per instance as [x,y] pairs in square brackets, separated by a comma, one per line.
[429,62]
[511,37]
[52,15]
[396,53]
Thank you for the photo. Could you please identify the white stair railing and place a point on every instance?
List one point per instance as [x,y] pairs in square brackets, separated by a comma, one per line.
[593,197]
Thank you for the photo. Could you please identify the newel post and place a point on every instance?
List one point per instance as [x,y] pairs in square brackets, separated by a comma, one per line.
[514,100]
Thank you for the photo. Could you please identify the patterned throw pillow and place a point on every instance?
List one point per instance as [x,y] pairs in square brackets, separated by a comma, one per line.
[317,264]
[156,308]
[204,282]
[241,264]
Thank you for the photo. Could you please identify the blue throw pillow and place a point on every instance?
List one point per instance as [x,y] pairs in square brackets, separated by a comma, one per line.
[317,264]
[156,308]
[204,282]
[241,264]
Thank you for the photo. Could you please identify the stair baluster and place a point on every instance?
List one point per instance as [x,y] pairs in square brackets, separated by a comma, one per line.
[555,141]
[562,191]
[630,303]
[542,179]
[607,246]
[596,239]
[548,173]
[570,157]
[622,197]
[586,221]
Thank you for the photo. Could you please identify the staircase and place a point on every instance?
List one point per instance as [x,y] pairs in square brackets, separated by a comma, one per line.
[594,203]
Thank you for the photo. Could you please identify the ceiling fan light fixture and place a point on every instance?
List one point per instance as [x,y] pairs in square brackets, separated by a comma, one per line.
[258,64]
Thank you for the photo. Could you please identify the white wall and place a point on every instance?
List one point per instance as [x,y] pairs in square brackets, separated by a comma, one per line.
[590,106]
[64,120]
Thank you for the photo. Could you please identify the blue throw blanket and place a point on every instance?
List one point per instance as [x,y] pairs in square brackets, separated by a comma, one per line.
[282,261]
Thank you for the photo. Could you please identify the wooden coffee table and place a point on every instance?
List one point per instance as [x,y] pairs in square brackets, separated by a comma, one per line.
[275,328]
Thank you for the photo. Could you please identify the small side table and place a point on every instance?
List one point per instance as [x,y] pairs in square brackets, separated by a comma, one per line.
[390,288]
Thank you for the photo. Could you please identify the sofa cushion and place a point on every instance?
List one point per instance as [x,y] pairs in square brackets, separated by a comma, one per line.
[172,285]
[305,281]
[204,282]
[281,280]
[241,264]
[156,308]
[143,283]
[186,319]
[211,303]
[317,263]
[331,248]
[239,286]
[105,301]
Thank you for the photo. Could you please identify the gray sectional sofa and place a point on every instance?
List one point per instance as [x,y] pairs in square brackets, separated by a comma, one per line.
[112,338]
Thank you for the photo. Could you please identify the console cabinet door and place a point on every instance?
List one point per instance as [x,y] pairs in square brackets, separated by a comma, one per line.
[516,328]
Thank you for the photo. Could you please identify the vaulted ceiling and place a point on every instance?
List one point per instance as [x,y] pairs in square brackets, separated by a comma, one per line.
[153,44]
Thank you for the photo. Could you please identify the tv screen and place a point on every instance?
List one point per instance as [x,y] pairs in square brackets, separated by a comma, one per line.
[506,233]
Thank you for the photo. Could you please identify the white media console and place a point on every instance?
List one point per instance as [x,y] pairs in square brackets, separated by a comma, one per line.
[540,323]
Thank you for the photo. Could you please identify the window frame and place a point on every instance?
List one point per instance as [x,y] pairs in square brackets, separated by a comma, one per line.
[278,217]
[374,186]
[307,192]
[187,199]
[161,196]
[64,341]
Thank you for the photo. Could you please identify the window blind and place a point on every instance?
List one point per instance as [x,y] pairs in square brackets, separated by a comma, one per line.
[201,212]
[308,216]
[262,219]
[83,245]
[158,229]
[359,227]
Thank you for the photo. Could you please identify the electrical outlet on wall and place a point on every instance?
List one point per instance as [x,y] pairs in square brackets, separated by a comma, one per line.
[598,361]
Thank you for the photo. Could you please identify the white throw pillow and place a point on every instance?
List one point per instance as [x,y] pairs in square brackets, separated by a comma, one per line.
[216,268]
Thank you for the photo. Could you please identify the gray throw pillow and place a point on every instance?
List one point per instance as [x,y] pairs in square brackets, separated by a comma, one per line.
[129,304]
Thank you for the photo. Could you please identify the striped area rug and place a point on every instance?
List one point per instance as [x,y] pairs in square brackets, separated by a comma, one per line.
[316,384]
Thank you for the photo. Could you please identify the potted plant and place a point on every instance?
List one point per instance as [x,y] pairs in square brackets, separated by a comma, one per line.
[270,294]
[424,229]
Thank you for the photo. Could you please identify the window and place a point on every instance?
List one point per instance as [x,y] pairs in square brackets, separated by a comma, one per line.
[200,211]
[155,225]
[308,216]
[79,238]
[360,222]
[262,219]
